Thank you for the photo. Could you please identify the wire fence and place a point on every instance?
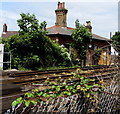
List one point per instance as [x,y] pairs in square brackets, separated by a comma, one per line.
[108,103]
[109,100]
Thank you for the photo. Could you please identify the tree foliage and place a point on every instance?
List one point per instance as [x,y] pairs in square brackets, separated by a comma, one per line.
[82,37]
[32,48]
[116,41]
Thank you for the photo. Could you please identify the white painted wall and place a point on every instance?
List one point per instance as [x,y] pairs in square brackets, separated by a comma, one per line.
[1,55]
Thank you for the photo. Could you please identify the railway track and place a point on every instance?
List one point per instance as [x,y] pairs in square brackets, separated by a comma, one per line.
[24,81]
[28,78]
[40,76]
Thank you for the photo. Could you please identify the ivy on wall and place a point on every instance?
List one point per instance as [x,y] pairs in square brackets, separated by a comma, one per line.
[81,38]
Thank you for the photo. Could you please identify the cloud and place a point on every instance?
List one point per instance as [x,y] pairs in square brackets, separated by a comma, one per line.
[10,18]
[44,11]
[102,15]
[9,15]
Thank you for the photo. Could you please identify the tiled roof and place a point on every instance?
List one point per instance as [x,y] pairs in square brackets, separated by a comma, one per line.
[97,37]
[57,29]
[8,34]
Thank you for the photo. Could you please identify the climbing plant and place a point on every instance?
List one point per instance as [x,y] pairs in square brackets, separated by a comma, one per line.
[63,88]
[81,38]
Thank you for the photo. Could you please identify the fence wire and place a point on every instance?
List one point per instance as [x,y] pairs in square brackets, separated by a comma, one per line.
[108,103]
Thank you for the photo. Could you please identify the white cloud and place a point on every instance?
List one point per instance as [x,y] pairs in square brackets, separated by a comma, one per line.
[10,18]
[9,15]
[103,15]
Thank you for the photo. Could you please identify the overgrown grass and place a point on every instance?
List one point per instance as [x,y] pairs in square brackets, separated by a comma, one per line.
[56,67]
[60,67]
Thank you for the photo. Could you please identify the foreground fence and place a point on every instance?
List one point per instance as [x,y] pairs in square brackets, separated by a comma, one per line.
[108,103]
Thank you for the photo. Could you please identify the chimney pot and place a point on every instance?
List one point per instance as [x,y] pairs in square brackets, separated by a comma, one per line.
[61,5]
[58,5]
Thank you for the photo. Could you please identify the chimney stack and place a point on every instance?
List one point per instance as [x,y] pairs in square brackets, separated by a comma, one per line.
[88,26]
[4,28]
[61,15]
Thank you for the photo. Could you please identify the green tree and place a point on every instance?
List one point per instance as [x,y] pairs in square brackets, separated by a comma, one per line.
[81,37]
[28,23]
[116,42]
[32,48]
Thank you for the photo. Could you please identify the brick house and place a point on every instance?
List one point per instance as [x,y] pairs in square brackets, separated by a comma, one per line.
[63,35]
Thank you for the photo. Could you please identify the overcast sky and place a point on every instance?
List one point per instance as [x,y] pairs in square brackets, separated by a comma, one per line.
[103,15]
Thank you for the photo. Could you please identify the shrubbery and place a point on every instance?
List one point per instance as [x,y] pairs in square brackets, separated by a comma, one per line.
[32,48]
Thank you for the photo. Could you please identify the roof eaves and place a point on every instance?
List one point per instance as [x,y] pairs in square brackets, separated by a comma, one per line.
[97,37]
